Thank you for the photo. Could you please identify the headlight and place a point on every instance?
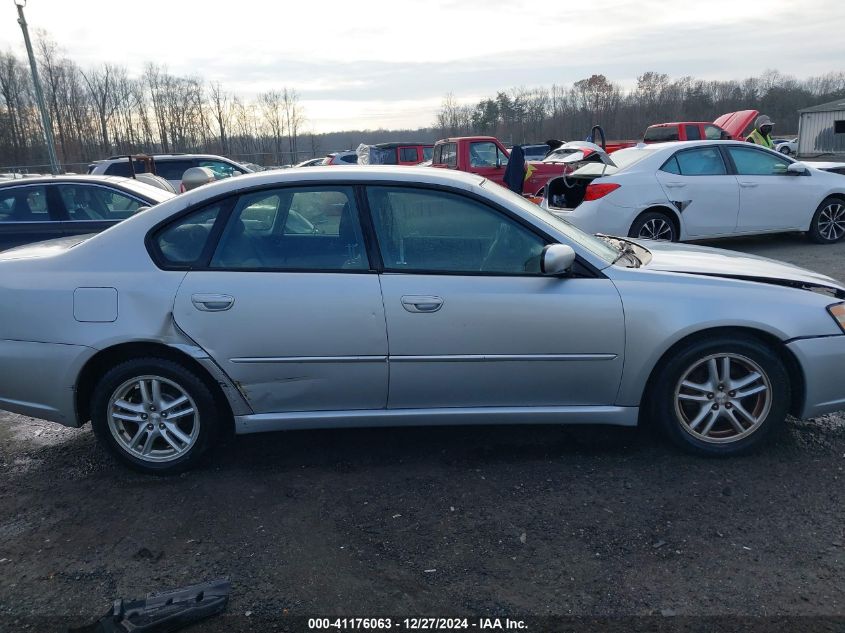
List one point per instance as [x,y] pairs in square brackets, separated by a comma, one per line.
[837,311]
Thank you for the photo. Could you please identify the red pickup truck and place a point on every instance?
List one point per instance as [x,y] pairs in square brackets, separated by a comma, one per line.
[726,127]
[486,156]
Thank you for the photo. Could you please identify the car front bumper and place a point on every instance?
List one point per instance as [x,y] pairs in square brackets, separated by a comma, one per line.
[822,360]
[38,379]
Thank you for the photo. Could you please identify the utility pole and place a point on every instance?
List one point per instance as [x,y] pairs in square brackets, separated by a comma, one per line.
[46,125]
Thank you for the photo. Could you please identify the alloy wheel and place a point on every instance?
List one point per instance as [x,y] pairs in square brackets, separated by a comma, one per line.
[831,222]
[657,229]
[723,398]
[153,418]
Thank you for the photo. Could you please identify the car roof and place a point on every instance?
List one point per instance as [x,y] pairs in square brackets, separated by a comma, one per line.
[136,187]
[395,145]
[160,157]
[453,139]
[84,178]
[353,173]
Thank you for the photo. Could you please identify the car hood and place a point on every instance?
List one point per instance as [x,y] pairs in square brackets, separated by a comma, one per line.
[716,262]
[735,123]
[44,249]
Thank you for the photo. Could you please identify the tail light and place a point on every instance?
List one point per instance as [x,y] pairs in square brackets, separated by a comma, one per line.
[599,190]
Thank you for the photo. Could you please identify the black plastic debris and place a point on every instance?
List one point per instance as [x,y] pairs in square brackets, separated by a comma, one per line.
[163,612]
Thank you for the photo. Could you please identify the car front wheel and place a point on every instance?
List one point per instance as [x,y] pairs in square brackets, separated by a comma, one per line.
[721,397]
[154,415]
[828,223]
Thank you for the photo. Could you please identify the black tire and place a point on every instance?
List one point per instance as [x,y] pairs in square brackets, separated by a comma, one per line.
[209,421]
[676,417]
[785,151]
[653,222]
[822,229]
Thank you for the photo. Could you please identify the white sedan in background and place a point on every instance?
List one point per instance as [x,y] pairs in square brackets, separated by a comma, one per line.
[699,189]
[787,146]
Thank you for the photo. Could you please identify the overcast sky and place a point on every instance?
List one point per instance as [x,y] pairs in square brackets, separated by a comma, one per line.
[372,63]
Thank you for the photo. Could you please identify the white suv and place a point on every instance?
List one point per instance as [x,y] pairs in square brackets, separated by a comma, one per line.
[170,166]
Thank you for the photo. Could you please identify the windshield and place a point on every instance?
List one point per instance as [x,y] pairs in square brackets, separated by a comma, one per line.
[596,246]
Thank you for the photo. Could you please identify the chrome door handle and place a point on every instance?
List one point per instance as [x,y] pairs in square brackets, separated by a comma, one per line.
[212,303]
[747,184]
[416,303]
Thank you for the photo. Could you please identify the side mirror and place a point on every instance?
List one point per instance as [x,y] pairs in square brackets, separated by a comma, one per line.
[797,169]
[557,259]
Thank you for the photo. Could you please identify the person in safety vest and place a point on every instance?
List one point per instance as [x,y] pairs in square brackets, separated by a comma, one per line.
[760,135]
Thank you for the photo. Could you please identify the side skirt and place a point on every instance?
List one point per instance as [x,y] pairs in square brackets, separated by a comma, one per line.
[257,423]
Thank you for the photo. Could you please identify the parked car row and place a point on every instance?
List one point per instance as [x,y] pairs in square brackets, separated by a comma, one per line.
[173,348]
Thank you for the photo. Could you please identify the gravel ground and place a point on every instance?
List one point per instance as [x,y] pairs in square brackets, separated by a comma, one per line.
[502,521]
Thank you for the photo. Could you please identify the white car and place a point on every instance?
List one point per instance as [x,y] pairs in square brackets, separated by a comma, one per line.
[170,166]
[785,146]
[699,189]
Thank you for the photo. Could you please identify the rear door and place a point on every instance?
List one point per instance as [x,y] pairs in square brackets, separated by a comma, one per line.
[89,208]
[28,213]
[698,183]
[771,199]
[286,303]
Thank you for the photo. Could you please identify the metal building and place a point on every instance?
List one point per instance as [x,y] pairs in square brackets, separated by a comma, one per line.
[821,129]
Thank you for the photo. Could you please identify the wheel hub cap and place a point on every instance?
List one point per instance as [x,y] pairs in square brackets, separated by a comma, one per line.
[153,419]
[723,398]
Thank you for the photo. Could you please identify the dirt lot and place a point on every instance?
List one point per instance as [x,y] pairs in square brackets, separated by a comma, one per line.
[448,521]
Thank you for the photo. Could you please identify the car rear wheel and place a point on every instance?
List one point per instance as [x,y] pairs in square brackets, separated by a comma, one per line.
[828,223]
[155,415]
[721,397]
[785,150]
[654,225]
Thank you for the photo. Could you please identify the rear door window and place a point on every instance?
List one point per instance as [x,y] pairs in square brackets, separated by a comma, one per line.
[301,229]
[408,155]
[702,161]
[25,204]
[122,169]
[173,169]
[86,202]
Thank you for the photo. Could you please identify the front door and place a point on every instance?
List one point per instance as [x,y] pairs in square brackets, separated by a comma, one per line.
[471,320]
[487,160]
[698,184]
[287,304]
[770,198]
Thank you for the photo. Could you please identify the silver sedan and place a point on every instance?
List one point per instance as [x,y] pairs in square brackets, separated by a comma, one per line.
[402,296]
